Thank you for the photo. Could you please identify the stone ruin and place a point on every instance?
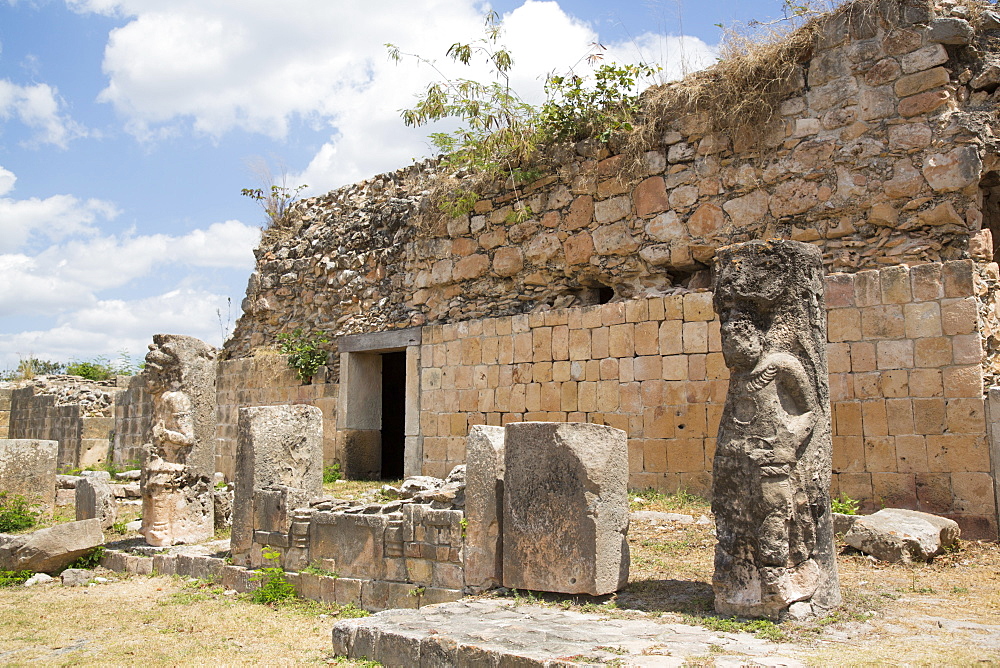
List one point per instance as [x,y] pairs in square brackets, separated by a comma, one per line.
[177,479]
[506,339]
[771,473]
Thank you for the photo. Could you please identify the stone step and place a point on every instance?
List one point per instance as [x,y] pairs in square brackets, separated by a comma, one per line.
[505,633]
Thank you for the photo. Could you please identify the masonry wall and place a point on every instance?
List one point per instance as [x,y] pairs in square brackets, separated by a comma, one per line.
[877,152]
[38,417]
[133,415]
[906,384]
[267,380]
[5,413]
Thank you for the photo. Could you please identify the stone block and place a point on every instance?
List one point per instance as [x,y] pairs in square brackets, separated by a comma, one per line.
[355,543]
[277,445]
[565,508]
[901,536]
[52,549]
[95,499]
[484,506]
[28,469]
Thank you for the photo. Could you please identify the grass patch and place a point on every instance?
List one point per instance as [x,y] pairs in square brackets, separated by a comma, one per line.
[762,628]
[679,501]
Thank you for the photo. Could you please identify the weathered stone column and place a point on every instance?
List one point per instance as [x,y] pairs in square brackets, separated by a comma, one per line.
[177,504]
[565,507]
[279,468]
[771,475]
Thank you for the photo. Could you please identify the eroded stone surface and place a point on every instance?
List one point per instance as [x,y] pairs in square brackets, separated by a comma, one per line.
[498,633]
[96,499]
[279,460]
[177,505]
[49,550]
[28,468]
[484,452]
[902,536]
[565,507]
[772,466]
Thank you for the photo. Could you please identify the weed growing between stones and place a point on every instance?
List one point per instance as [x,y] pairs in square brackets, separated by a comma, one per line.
[332,473]
[275,588]
[16,513]
[89,561]
[845,505]
[762,628]
[679,501]
[304,352]
[312,569]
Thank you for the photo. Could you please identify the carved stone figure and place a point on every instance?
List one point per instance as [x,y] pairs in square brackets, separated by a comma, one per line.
[772,468]
[177,504]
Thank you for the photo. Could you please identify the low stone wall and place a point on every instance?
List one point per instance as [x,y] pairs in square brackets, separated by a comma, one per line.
[906,384]
[267,380]
[371,595]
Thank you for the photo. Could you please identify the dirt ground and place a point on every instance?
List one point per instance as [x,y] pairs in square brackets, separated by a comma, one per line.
[943,613]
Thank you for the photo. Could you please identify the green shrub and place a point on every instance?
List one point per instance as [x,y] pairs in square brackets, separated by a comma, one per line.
[275,588]
[16,513]
[304,352]
[13,578]
[845,505]
[332,473]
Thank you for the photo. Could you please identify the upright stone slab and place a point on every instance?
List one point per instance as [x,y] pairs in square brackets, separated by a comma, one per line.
[278,449]
[565,505]
[28,469]
[771,475]
[96,500]
[177,504]
[484,473]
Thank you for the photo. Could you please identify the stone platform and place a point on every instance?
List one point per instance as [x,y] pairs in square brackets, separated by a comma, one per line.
[503,633]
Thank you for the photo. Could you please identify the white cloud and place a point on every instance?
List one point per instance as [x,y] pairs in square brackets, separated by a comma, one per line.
[38,107]
[53,218]
[221,65]
[109,327]
[65,276]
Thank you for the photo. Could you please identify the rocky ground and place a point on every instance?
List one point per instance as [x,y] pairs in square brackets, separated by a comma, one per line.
[943,613]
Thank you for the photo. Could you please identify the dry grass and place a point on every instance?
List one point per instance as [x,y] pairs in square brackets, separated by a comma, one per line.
[357,490]
[156,621]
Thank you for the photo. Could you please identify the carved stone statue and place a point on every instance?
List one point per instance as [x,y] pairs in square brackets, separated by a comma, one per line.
[771,476]
[177,505]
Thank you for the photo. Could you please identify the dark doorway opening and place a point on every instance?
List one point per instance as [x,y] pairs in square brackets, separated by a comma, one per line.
[393,414]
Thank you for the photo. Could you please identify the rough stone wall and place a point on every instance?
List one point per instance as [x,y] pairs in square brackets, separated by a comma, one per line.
[876,156]
[133,412]
[267,380]
[906,377]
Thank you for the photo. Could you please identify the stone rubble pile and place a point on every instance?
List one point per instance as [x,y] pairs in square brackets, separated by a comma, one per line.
[95,398]
[447,494]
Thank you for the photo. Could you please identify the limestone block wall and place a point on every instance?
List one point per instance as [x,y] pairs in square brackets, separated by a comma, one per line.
[5,412]
[133,422]
[400,559]
[906,384]
[881,152]
[267,380]
[37,417]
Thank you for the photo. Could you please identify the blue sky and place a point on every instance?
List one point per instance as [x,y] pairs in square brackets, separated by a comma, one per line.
[128,128]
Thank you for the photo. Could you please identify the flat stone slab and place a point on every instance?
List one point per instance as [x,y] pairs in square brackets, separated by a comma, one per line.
[503,633]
